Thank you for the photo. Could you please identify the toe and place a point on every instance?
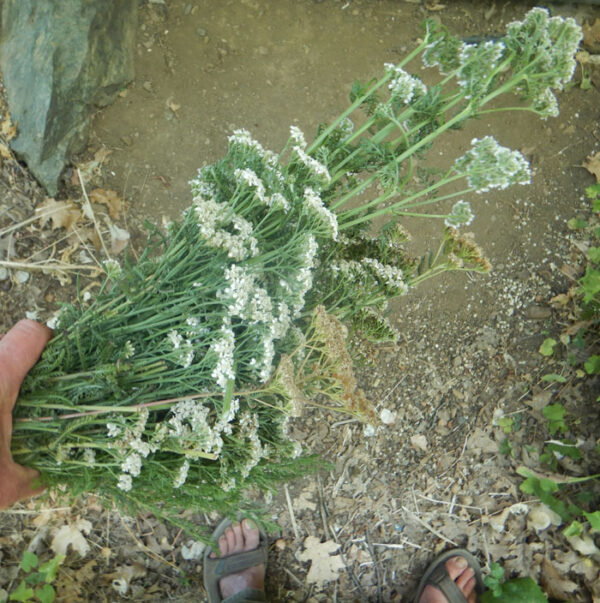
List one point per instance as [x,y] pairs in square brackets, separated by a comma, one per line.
[230,536]
[455,566]
[238,536]
[223,545]
[250,534]
[462,580]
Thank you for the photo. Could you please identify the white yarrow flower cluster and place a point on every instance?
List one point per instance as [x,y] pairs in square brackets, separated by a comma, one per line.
[201,186]
[211,216]
[112,268]
[224,348]
[392,276]
[315,203]
[125,482]
[304,278]
[249,177]
[243,138]
[249,432]
[403,86]
[183,347]
[488,165]
[461,215]
[182,474]
[132,464]
[297,137]
[316,167]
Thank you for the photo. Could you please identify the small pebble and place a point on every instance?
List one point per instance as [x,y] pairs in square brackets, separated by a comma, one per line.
[187,10]
[22,276]
[201,32]
[3,273]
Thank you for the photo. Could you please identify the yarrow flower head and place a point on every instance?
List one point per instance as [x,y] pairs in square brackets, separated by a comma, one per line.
[477,64]
[403,86]
[112,268]
[488,165]
[461,215]
[318,171]
[125,482]
[548,45]
[249,177]
[242,138]
[297,137]
[182,475]
[315,204]
[224,348]
[213,218]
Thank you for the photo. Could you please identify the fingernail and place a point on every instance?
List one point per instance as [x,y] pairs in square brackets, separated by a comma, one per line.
[460,562]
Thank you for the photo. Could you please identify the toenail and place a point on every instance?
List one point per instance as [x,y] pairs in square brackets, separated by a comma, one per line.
[460,562]
[250,525]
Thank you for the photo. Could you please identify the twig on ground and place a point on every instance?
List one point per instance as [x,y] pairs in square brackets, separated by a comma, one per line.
[148,550]
[455,504]
[291,512]
[348,567]
[392,390]
[47,266]
[91,213]
[32,512]
[428,527]
[373,554]
[293,577]
[322,507]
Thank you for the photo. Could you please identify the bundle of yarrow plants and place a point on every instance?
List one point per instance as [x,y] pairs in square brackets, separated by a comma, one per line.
[173,386]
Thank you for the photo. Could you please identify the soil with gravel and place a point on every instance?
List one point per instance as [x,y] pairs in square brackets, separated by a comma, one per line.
[436,472]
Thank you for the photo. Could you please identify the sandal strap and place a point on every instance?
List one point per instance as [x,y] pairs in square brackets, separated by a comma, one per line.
[440,579]
[238,562]
[248,595]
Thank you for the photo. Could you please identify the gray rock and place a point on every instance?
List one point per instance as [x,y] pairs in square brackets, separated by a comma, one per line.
[61,61]
[535,312]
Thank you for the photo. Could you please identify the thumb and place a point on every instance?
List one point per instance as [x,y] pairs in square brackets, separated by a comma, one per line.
[20,349]
[17,483]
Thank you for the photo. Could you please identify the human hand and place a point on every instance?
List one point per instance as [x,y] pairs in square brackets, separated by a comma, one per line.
[20,349]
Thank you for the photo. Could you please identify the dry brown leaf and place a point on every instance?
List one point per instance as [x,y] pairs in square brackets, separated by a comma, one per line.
[8,129]
[43,518]
[119,239]
[72,535]
[305,501]
[173,106]
[555,585]
[592,165]
[64,214]
[540,400]
[111,199]
[324,566]
[124,574]
[86,573]
[561,300]
[91,168]
[5,151]
[591,36]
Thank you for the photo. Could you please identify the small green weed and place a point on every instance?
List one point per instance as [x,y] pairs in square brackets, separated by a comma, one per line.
[517,590]
[37,583]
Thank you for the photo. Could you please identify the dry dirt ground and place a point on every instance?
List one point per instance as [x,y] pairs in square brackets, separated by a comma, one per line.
[433,476]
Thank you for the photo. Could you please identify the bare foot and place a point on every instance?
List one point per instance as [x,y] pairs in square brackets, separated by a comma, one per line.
[459,571]
[239,538]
